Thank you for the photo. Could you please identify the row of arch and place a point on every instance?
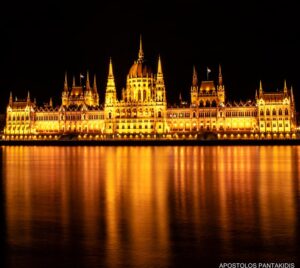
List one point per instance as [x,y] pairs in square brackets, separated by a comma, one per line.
[208,103]
[274,112]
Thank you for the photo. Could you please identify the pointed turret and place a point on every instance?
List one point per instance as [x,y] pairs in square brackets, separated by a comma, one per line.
[110,69]
[66,82]
[220,75]
[292,95]
[95,84]
[256,96]
[50,102]
[160,84]
[141,52]
[195,77]
[285,87]
[74,83]
[28,96]
[87,84]
[10,102]
[111,94]
[159,69]
[260,88]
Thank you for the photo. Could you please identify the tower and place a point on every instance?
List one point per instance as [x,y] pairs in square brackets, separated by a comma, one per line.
[160,84]
[194,88]
[220,87]
[110,94]
[65,93]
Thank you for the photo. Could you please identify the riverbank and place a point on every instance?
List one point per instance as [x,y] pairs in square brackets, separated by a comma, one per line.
[147,142]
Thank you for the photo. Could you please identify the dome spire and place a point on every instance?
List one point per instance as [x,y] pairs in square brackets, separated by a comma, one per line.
[141,52]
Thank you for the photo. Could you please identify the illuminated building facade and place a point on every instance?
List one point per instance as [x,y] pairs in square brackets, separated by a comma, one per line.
[143,112]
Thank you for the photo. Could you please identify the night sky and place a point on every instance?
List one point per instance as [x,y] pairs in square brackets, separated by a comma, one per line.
[252,41]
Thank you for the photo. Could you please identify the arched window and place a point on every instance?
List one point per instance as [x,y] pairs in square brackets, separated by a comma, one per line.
[261,112]
[201,104]
[214,103]
[286,112]
[144,95]
[159,114]
[280,112]
[194,114]
[268,112]
[207,103]
[139,95]
[274,112]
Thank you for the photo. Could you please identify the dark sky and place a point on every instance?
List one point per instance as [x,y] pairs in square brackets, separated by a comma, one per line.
[252,40]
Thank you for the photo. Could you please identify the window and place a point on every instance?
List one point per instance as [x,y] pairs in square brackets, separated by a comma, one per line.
[286,112]
[274,112]
[268,112]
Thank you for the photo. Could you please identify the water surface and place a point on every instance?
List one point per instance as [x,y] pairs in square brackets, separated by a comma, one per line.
[149,206]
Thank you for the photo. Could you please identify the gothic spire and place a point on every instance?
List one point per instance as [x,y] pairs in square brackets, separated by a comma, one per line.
[159,68]
[284,86]
[220,75]
[28,96]
[110,69]
[95,84]
[74,83]
[111,93]
[141,52]
[66,82]
[10,99]
[87,85]
[195,77]
[292,94]
[260,88]
[110,79]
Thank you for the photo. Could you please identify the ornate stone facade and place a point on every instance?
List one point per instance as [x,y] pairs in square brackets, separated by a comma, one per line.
[142,111]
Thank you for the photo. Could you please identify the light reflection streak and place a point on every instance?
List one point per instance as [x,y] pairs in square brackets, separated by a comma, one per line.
[126,205]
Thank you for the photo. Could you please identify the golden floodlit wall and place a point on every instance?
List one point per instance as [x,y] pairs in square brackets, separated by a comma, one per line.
[143,112]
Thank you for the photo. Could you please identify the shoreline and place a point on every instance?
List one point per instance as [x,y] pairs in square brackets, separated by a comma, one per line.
[148,142]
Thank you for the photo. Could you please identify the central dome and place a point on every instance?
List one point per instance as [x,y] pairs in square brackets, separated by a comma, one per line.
[140,69]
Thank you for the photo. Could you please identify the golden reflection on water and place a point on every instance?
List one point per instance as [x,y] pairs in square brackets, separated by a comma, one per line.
[141,206]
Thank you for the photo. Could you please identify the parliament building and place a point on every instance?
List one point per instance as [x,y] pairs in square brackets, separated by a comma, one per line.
[143,111]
